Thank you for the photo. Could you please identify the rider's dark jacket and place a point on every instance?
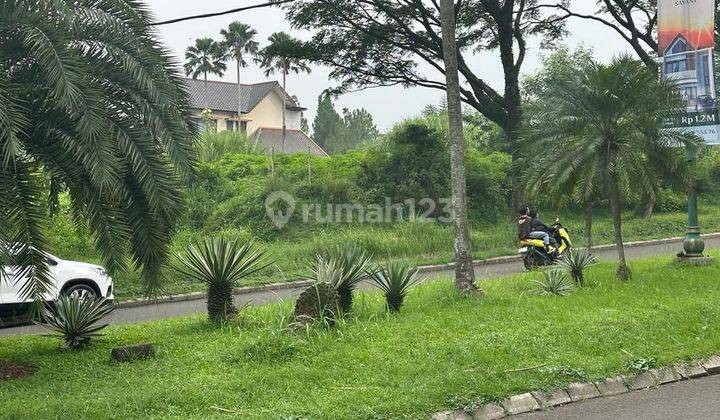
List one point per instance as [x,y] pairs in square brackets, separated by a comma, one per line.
[539,226]
[524,227]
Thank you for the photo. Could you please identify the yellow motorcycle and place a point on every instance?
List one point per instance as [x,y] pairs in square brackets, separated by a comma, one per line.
[536,255]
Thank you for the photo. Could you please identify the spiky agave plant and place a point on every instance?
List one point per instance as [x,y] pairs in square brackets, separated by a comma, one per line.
[221,263]
[554,282]
[353,265]
[395,280]
[575,262]
[75,320]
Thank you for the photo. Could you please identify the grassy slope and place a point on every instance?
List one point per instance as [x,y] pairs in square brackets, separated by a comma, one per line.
[441,352]
[416,242]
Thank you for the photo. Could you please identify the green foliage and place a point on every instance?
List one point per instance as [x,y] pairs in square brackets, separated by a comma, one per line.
[75,320]
[600,128]
[327,124]
[206,56]
[221,264]
[280,55]
[641,364]
[211,146]
[576,261]
[344,267]
[338,134]
[91,101]
[395,280]
[553,282]
[238,41]
[669,314]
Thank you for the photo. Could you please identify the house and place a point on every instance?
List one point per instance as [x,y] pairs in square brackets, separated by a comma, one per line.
[260,117]
[691,69]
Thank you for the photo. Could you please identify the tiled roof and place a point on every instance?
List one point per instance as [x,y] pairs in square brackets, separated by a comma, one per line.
[223,96]
[296,141]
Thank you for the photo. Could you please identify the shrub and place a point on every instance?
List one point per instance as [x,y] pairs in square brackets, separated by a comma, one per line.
[221,264]
[319,302]
[348,264]
[554,282]
[576,261]
[211,146]
[75,320]
[395,280]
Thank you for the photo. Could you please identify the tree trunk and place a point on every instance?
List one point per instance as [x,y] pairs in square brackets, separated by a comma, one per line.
[206,91]
[649,208]
[464,271]
[237,62]
[623,271]
[284,128]
[588,225]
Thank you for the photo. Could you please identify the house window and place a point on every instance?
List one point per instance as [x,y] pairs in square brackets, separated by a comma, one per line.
[230,125]
[689,93]
[243,126]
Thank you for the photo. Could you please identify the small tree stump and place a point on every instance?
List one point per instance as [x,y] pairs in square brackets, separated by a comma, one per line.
[137,351]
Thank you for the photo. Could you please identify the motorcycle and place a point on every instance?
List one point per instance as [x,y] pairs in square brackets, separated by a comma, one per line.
[534,253]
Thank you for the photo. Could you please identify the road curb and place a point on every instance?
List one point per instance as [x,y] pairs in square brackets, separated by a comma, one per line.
[577,392]
[296,284]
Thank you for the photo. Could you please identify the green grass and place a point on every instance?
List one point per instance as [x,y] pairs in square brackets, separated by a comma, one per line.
[441,352]
[412,241]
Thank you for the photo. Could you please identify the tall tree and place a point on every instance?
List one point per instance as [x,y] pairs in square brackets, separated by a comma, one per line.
[327,124]
[206,56]
[358,126]
[464,270]
[90,98]
[373,43]
[604,124]
[238,43]
[280,56]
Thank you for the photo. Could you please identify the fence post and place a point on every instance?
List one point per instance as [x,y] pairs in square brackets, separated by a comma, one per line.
[272,162]
[309,166]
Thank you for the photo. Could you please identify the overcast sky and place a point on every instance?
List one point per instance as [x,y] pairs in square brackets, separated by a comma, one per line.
[387,105]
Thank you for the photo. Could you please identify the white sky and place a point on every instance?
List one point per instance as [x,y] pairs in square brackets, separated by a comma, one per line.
[387,105]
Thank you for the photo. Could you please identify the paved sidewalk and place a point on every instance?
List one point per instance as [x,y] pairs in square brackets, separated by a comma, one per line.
[483,272]
[692,399]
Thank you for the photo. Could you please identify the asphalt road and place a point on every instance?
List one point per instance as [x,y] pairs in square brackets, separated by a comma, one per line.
[483,272]
[693,399]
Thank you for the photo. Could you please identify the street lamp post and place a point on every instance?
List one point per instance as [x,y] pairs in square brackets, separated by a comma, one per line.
[693,245]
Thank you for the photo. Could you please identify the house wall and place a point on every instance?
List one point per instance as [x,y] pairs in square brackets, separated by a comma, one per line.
[268,113]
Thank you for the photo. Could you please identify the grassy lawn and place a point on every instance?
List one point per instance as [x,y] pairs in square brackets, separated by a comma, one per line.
[413,241]
[441,352]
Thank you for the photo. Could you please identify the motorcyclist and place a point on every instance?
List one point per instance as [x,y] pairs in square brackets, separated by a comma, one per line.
[524,223]
[542,231]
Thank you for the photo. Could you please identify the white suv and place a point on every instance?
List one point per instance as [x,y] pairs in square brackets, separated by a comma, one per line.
[70,278]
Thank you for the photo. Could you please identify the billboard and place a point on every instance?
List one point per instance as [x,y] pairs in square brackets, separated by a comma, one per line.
[686,30]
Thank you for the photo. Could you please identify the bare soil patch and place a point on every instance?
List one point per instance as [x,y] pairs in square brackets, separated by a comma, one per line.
[10,370]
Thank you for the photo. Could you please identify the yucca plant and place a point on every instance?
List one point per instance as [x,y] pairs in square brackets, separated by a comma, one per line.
[554,282]
[75,320]
[221,263]
[352,265]
[395,280]
[575,262]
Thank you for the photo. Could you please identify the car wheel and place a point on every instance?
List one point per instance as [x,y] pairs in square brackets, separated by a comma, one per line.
[81,292]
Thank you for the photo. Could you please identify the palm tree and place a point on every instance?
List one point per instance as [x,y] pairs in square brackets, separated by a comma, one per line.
[281,56]
[237,42]
[606,125]
[92,102]
[464,270]
[206,56]
[221,264]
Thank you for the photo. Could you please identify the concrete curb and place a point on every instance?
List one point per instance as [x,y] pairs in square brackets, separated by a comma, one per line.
[576,392]
[296,284]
